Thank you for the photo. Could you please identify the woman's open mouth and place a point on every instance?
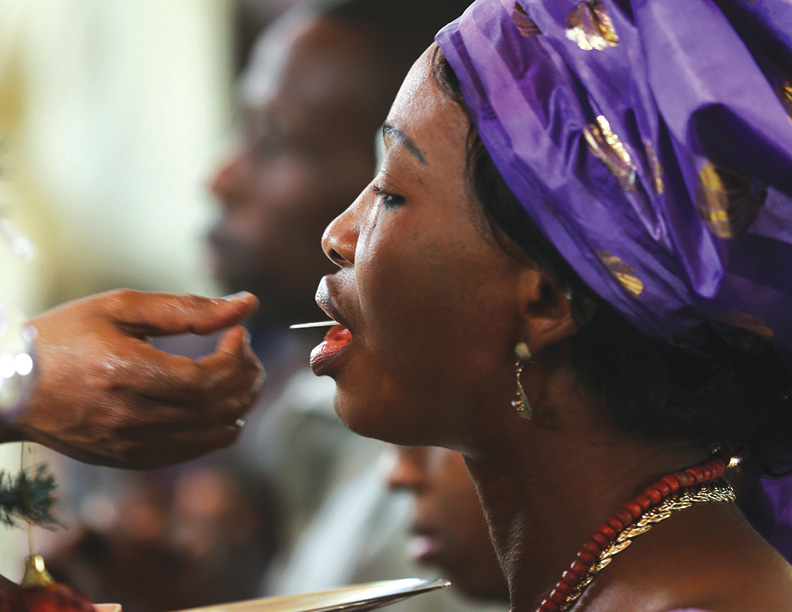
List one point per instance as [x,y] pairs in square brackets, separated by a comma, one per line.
[325,356]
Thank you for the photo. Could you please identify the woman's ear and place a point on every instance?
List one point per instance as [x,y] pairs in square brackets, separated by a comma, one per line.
[545,310]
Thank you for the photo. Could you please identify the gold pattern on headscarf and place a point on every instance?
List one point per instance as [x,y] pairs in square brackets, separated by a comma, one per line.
[622,272]
[785,93]
[523,21]
[754,327]
[607,147]
[727,202]
[655,167]
[590,26]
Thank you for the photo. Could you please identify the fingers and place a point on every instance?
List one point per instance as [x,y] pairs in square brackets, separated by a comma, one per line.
[232,341]
[113,399]
[233,374]
[183,446]
[222,385]
[144,434]
[150,450]
[161,314]
[150,373]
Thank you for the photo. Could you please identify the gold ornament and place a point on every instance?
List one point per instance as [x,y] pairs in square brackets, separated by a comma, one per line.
[520,403]
[523,21]
[707,492]
[609,149]
[622,272]
[590,27]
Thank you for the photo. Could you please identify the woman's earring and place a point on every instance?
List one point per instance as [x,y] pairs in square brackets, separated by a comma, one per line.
[523,354]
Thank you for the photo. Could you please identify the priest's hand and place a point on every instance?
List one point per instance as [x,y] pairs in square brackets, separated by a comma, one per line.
[104,395]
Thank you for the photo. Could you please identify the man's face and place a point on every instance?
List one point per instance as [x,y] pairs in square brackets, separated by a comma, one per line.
[304,152]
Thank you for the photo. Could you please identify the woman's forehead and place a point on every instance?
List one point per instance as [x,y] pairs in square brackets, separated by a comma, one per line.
[426,115]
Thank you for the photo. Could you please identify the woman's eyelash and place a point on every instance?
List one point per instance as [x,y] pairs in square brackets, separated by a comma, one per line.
[388,199]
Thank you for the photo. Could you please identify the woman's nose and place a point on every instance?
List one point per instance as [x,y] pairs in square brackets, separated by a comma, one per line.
[340,238]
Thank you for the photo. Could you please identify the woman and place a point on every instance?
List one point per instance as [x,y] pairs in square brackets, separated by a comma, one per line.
[551,275]
[447,528]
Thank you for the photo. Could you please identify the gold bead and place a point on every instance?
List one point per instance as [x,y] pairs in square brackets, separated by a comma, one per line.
[522,352]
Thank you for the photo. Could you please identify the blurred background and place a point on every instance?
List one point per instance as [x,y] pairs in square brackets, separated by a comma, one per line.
[113,114]
[118,119]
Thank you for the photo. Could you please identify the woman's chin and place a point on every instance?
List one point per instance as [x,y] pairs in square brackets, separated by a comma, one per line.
[377,419]
[363,420]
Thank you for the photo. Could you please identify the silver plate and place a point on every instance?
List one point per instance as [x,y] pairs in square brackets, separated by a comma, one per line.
[359,597]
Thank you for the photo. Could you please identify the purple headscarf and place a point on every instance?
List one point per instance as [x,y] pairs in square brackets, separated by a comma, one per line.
[651,143]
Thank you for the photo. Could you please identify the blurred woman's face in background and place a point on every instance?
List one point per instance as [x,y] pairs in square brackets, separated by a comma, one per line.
[448,526]
[428,295]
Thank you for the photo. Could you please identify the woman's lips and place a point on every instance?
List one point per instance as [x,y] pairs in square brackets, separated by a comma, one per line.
[325,356]
[424,549]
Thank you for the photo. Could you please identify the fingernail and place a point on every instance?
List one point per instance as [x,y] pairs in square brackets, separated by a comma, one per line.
[236,296]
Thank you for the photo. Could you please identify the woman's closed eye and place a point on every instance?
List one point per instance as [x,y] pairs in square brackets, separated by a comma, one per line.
[389,200]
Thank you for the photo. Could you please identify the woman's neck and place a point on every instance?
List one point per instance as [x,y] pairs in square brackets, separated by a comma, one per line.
[544,497]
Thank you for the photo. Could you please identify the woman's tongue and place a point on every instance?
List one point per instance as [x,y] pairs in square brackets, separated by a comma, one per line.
[335,339]
[338,335]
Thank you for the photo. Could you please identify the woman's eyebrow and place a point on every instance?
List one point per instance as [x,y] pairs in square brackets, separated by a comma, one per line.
[390,132]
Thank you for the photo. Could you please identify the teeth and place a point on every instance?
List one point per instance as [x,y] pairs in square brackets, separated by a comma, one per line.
[316,324]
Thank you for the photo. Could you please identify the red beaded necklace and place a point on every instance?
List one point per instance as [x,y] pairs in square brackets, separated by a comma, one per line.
[670,493]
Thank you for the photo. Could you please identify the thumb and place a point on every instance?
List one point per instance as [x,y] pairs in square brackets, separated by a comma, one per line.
[164,314]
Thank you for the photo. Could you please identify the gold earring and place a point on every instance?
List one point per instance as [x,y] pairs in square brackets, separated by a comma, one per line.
[523,354]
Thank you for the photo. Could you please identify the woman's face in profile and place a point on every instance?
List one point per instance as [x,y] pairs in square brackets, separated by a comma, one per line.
[428,295]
